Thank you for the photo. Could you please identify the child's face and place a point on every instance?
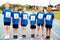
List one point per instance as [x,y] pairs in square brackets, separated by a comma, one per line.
[16,9]
[24,9]
[40,8]
[7,5]
[49,9]
[33,11]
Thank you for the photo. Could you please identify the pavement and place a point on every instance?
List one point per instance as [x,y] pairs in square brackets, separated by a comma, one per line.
[55,34]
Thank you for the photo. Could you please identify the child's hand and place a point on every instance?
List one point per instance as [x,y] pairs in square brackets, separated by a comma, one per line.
[36,23]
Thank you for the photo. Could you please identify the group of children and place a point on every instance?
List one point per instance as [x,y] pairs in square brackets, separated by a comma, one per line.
[36,20]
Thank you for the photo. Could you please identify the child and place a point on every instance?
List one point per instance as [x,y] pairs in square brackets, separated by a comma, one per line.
[33,23]
[49,21]
[24,21]
[40,21]
[7,19]
[15,21]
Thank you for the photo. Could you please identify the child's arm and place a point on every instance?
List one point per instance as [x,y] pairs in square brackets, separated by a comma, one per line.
[53,16]
[11,18]
[45,19]
[19,21]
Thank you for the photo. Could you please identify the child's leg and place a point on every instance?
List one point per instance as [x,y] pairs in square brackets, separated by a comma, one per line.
[7,29]
[7,32]
[15,31]
[24,31]
[38,30]
[47,31]
[42,29]
[32,32]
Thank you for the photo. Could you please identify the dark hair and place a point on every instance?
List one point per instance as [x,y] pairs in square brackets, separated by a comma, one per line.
[15,6]
[33,8]
[23,7]
[49,6]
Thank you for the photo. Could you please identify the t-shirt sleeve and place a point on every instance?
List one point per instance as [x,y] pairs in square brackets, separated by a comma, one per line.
[45,15]
[29,17]
[3,12]
[19,14]
[11,14]
[37,15]
[53,16]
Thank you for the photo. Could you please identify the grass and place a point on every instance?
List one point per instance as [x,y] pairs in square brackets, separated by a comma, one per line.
[56,13]
[0,12]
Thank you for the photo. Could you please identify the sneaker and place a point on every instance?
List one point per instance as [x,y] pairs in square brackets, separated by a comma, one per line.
[7,37]
[37,36]
[32,36]
[42,36]
[15,36]
[23,36]
[47,37]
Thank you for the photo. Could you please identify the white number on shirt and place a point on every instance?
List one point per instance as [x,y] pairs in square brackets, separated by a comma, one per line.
[32,18]
[48,17]
[25,16]
[16,16]
[40,16]
[8,14]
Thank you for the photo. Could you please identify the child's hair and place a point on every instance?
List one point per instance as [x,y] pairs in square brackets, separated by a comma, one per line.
[33,8]
[49,6]
[15,6]
[23,7]
[42,7]
[7,3]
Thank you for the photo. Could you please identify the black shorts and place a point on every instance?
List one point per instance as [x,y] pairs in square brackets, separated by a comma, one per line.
[7,23]
[33,27]
[15,25]
[23,25]
[40,24]
[48,26]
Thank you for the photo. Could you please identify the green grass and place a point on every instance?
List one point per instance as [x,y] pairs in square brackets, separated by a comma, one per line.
[56,13]
[0,11]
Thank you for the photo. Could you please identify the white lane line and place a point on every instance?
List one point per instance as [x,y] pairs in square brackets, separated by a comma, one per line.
[56,34]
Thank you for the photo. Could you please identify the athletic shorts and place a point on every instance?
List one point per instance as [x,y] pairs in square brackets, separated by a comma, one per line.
[40,24]
[33,27]
[15,25]
[48,26]
[23,25]
[7,23]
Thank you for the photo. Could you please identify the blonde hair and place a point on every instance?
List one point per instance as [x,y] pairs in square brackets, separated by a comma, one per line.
[7,3]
